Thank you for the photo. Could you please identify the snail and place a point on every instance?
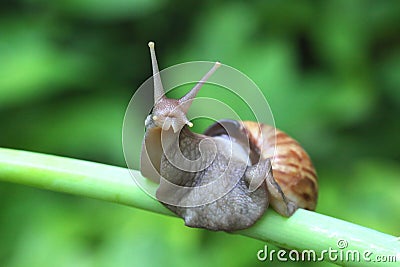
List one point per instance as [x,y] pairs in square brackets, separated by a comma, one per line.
[225,178]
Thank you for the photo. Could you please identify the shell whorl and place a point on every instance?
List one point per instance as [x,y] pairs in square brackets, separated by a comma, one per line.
[292,167]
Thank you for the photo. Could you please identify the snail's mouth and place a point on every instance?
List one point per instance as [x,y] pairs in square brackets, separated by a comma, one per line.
[172,123]
[168,122]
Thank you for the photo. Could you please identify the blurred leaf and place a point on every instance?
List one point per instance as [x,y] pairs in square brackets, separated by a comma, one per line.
[33,66]
[105,10]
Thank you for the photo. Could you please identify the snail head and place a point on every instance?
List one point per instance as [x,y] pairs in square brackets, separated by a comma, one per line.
[171,113]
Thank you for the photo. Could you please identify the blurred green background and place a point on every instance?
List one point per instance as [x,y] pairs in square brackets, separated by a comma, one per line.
[330,71]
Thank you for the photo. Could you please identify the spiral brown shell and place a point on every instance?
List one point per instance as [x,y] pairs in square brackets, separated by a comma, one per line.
[292,167]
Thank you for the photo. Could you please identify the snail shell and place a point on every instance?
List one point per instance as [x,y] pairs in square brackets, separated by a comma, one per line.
[291,166]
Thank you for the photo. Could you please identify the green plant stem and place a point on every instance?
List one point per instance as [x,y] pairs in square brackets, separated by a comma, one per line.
[305,230]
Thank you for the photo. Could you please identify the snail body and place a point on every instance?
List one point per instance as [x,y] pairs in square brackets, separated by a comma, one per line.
[222,179]
[291,166]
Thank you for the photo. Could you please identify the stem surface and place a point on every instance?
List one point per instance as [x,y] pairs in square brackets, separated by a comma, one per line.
[305,230]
